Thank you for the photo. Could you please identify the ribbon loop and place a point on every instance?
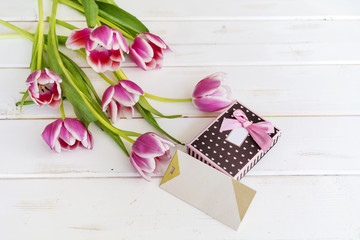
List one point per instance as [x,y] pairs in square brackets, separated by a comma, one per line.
[258,131]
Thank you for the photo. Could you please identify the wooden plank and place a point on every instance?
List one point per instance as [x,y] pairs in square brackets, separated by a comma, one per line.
[309,145]
[239,32]
[18,52]
[199,10]
[268,90]
[284,207]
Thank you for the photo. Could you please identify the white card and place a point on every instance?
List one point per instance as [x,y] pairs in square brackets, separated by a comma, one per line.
[237,136]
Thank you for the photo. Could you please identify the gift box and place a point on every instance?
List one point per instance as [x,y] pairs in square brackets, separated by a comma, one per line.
[235,141]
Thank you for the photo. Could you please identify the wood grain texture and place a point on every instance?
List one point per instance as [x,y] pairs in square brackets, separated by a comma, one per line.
[199,10]
[268,90]
[285,207]
[309,146]
[296,62]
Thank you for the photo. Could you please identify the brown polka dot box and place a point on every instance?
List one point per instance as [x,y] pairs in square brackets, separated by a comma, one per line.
[235,141]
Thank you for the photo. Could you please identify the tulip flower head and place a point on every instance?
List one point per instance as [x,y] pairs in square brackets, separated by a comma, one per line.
[121,98]
[147,51]
[210,95]
[44,88]
[67,134]
[149,153]
[104,47]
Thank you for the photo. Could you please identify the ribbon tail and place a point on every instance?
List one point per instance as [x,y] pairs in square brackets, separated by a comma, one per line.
[261,138]
[229,124]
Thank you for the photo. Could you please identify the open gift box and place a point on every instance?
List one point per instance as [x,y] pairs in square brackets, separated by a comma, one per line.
[235,141]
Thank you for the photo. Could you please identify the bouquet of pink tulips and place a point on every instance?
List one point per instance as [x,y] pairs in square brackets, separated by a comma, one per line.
[56,78]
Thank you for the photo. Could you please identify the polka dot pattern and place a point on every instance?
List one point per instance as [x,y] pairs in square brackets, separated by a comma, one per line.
[215,149]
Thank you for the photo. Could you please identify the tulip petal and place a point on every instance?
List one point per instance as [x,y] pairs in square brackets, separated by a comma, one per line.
[124,97]
[151,65]
[89,142]
[99,60]
[149,146]
[166,143]
[51,134]
[218,75]
[143,49]
[117,55]
[162,162]
[55,103]
[113,111]
[206,87]
[145,175]
[102,35]
[66,136]
[52,75]
[78,38]
[66,146]
[155,40]
[119,41]
[107,97]
[127,112]
[114,66]
[33,76]
[76,128]
[137,59]
[31,81]
[211,104]
[145,164]
[131,87]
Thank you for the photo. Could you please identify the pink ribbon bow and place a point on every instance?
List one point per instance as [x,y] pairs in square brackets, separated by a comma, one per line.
[258,131]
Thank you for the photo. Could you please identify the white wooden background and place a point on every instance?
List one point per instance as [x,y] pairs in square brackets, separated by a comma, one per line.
[296,62]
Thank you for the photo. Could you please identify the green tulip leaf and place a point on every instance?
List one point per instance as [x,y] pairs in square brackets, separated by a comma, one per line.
[147,115]
[57,64]
[145,104]
[91,12]
[121,18]
[114,136]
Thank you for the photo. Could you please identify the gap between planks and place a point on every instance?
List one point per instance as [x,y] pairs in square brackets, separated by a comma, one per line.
[84,175]
[206,19]
[236,64]
[206,116]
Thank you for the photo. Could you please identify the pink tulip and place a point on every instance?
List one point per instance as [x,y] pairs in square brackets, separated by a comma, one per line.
[44,88]
[147,51]
[149,153]
[121,98]
[210,95]
[104,47]
[67,134]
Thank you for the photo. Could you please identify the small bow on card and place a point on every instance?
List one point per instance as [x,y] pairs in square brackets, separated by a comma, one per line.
[258,131]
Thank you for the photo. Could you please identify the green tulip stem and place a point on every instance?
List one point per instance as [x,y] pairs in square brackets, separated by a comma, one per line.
[120,75]
[82,95]
[103,76]
[11,35]
[62,109]
[40,42]
[64,24]
[24,33]
[162,99]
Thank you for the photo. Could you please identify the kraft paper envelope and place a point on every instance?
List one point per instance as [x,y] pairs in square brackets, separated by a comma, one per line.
[218,195]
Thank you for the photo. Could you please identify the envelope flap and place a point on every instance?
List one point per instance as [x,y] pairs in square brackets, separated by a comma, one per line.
[173,170]
[207,189]
[244,195]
